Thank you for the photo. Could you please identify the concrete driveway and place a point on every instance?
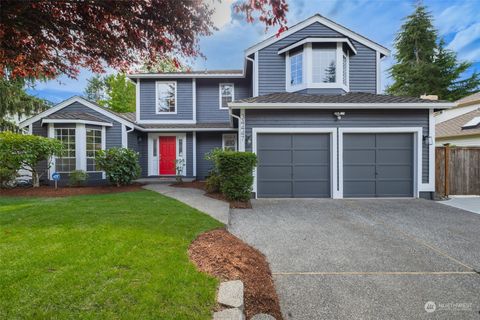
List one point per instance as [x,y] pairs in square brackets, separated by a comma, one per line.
[367,259]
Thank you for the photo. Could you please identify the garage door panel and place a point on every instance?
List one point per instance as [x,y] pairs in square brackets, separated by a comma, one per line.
[359,188]
[273,157]
[394,156]
[394,171]
[394,188]
[398,140]
[311,189]
[387,169]
[311,156]
[311,141]
[363,141]
[275,189]
[275,141]
[359,172]
[293,165]
[311,172]
[278,172]
[358,156]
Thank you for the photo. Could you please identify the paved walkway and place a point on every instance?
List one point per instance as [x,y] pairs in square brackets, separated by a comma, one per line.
[471,204]
[367,259]
[195,198]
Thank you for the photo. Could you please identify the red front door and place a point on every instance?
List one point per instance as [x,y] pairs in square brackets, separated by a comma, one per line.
[168,155]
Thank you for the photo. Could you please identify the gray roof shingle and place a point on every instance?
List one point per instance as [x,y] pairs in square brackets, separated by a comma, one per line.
[351,97]
[454,126]
[74,116]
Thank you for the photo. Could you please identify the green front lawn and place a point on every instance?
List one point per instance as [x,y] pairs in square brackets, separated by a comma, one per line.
[116,256]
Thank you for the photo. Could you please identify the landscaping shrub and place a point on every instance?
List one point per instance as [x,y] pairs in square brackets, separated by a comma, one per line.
[77,178]
[18,151]
[120,165]
[213,183]
[235,170]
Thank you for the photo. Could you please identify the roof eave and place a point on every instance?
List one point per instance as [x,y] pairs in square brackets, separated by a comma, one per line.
[282,105]
[185,76]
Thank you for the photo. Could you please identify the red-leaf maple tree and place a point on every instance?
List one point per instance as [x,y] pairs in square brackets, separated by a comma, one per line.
[47,38]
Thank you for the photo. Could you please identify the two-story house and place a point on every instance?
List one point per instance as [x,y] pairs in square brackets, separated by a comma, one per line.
[307,102]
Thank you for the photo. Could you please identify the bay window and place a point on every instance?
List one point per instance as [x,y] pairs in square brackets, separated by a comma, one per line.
[296,68]
[67,162]
[94,144]
[324,65]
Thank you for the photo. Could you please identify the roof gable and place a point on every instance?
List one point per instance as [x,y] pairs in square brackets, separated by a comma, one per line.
[336,30]
[82,101]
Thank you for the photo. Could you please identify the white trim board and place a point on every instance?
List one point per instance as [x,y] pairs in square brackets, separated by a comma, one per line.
[333,151]
[184,75]
[95,123]
[326,22]
[316,40]
[82,101]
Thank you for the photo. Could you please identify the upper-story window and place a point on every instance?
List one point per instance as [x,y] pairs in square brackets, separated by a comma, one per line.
[296,68]
[317,63]
[226,94]
[324,65]
[166,97]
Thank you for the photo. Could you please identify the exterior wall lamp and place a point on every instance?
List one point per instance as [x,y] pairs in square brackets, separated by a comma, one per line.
[339,114]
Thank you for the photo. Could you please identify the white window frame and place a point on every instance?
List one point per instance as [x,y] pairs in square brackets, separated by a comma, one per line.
[54,164]
[224,137]
[308,71]
[220,93]
[86,148]
[156,97]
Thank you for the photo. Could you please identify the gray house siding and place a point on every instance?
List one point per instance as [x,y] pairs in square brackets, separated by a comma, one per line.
[208,98]
[353,118]
[137,141]
[189,154]
[184,101]
[271,65]
[363,69]
[206,141]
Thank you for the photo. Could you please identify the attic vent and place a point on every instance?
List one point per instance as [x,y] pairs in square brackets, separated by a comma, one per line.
[429,97]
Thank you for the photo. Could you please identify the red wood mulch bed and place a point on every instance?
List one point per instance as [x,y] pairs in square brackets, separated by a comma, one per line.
[47,191]
[201,185]
[223,255]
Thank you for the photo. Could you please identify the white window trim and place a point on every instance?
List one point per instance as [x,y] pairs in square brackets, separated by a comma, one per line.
[156,97]
[102,148]
[153,169]
[220,93]
[225,135]
[417,152]
[308,74]
[53,161]
[335,194]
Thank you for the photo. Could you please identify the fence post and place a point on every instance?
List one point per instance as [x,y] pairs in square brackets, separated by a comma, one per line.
[447,154]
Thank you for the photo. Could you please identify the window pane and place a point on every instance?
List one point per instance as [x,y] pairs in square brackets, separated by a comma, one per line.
[180,148]
[296,69]
[226,91]
[166,97]
[67,162]
[230,142]
[324,65]
[94,144]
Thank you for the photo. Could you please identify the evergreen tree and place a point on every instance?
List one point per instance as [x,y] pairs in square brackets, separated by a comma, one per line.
[95,90]
[424,65]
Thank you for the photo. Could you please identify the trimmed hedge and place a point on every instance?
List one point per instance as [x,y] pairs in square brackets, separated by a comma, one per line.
[120,165]
[235,169]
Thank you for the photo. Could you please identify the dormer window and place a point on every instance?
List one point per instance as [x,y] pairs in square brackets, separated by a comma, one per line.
[296,68]
[318,63]
[324,65]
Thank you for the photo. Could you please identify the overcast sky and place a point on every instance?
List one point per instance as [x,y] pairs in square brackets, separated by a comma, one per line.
[458,22]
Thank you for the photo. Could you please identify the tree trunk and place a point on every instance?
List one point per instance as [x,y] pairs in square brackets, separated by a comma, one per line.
[35,180]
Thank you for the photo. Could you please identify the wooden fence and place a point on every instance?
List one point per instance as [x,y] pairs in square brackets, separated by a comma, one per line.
[457,170]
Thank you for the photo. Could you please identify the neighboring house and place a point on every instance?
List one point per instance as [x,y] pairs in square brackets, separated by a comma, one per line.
[460,126]
[307,102]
